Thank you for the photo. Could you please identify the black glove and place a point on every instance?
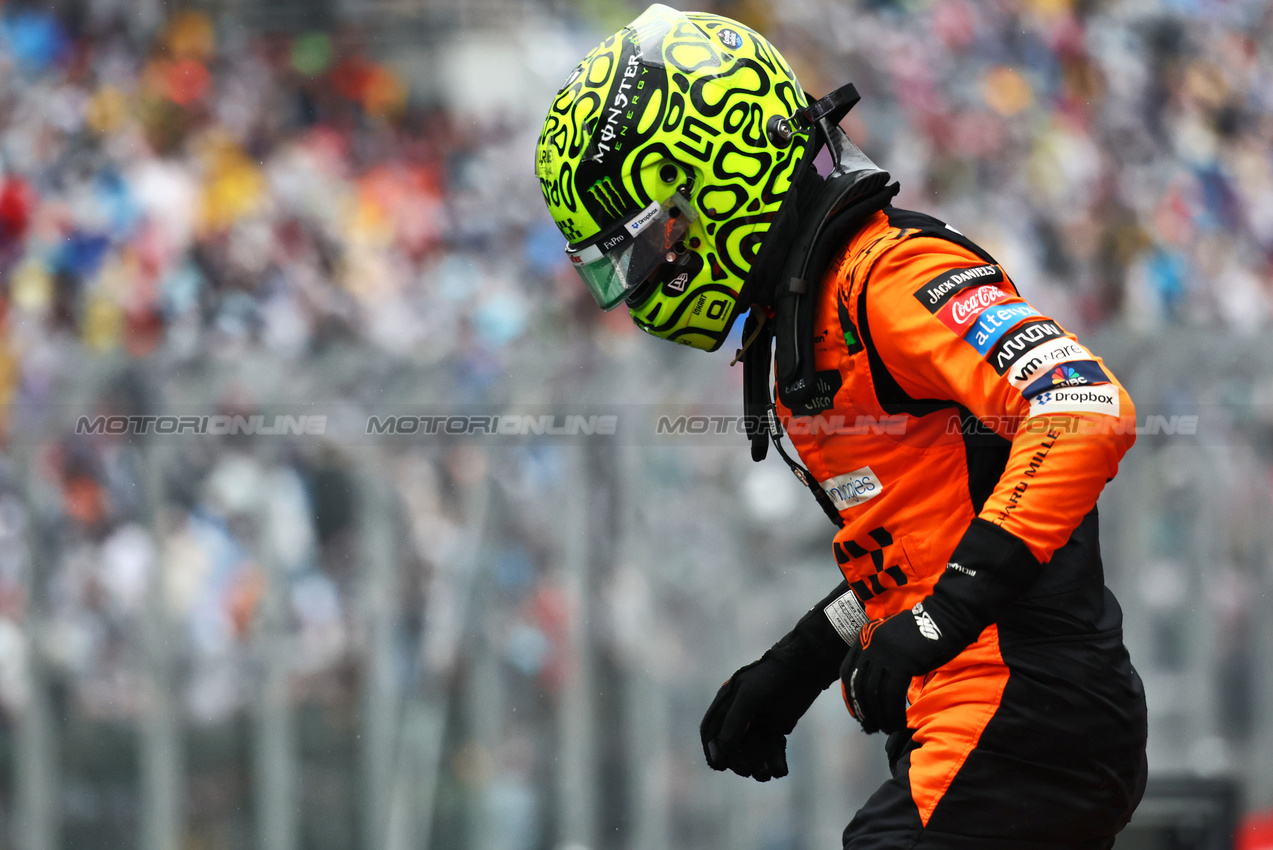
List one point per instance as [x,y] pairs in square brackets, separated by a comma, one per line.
[746,727]
[988,569]
[878,669]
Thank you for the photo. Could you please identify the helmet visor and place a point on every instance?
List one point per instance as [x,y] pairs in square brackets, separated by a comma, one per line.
[620,260]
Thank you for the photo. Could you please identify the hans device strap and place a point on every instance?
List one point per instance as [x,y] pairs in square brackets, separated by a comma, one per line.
[797,295]
[821,216]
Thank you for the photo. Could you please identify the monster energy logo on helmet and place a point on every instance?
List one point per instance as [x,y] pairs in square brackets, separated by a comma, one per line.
[606,196]
[674,103]
[615,129]
[625,96]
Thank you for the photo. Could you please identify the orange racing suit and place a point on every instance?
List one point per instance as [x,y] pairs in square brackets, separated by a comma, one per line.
[944,396]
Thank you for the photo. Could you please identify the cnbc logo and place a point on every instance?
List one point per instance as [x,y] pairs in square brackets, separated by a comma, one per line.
[1066,375]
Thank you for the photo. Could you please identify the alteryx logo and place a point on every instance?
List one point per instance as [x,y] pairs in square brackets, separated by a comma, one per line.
[994,322]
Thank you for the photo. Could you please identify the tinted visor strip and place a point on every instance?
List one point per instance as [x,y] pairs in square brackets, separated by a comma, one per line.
[616,237]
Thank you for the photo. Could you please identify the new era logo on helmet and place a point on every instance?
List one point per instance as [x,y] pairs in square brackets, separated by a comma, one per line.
[678,283]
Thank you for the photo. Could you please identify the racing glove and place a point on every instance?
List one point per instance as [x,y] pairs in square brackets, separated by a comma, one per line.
[746,727]
[989,568]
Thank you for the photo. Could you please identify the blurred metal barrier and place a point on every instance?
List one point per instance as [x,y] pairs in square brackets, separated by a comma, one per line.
[1189,550]
[1184,814]
[162,750]
[450,727]
[36,776]
[400,813]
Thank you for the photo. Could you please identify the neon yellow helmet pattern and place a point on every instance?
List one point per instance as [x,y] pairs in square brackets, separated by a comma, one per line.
[656,166]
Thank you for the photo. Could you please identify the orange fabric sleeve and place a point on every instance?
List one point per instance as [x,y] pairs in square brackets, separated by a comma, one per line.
[949,326]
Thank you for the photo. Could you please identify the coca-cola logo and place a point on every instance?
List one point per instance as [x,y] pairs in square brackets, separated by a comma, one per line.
[966,307]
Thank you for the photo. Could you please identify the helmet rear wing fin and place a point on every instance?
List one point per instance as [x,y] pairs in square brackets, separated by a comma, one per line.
[831,108]
[846,156]
[824,113]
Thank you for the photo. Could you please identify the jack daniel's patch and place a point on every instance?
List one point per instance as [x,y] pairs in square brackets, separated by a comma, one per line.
[934,294]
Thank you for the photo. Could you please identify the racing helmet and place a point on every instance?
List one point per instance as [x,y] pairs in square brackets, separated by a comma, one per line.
[660,164]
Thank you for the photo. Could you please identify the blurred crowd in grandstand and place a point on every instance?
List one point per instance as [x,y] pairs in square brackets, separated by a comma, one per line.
[202,194]
[188,190]
[1114,156]
[200,190]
